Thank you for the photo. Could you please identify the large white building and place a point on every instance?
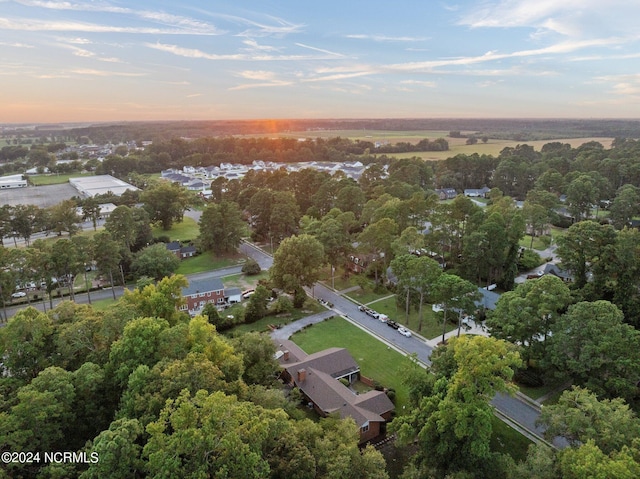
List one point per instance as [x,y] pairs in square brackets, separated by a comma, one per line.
[90,186]
[12,181]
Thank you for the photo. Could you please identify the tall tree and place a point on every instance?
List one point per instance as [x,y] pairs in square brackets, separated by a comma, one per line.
[593,345]
[221,227]
[579,416]
[166,203]
[91,211]
[297,262]
[625,206]
[155,261]
[526,315]
[107,255]
[455,293]
[64,217]
[452,424]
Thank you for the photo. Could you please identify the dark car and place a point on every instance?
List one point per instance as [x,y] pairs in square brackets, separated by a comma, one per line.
[362,308]
[393,324]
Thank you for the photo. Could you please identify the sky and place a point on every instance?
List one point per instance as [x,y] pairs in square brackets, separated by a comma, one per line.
[109,60]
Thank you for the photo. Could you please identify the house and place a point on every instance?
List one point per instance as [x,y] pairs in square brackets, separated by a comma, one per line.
[359,263]
[446,193]
[180,251]
[563,274]
[477,192]
[200,292]
[317,376]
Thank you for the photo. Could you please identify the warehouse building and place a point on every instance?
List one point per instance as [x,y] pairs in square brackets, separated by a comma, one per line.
[90,186]
[12,181]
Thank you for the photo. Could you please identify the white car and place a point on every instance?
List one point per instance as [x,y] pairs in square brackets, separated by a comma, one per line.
[19,294]
[404,332]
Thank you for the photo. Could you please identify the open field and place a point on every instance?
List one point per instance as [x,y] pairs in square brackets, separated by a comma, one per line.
[207,262]
[186,230]
[55,179]
[456,145]
[375,359]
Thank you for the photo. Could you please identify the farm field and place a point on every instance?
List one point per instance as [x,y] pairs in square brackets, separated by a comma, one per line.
[456,145]
[55,179]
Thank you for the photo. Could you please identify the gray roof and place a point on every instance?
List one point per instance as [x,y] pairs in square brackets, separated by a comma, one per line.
[203,286]
[489,298]
[232,291]
[173,246]
[555,270]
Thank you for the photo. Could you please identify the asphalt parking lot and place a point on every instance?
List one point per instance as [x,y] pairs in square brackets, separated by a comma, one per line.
[42,196]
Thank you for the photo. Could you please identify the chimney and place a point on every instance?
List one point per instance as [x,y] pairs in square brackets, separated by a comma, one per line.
[302,375]
[285,355]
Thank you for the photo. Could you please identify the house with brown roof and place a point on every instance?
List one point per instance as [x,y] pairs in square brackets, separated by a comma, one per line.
[318,375]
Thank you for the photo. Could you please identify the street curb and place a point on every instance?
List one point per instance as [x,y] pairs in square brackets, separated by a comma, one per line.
[526,432]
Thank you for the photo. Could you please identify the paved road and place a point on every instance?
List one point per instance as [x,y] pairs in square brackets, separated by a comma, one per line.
[518,410]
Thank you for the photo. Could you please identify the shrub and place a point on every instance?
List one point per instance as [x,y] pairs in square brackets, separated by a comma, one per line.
[281,305]
[528,260]
[251,268]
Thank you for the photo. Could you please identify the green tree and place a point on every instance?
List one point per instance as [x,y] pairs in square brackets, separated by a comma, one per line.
[258,357]
[166,203]
[526,315]
[579,416]
[588,248]
[582,195]
[376,240]
[257,306]
[119,450]
[155,261]
[221,227]
[121,225]
[26,343]
[161,300]
[91,211]
[297,262]
[66,262]
[593,345]
[64,217]
[453,424]
[589,462]
[107,255]
[455,293]
[625,206]
[285,215]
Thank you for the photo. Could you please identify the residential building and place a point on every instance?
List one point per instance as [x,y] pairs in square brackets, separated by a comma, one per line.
[446,193]
[477,192]
[201,292]
[318,375]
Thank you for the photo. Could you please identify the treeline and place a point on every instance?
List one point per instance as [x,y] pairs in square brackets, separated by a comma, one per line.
[510,129]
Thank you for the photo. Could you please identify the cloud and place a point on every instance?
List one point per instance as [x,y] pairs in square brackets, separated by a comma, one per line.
[195,53]
[257,75]
[570,18]
[338,76]
[103,73]
[315,49]
[429,84]
[189,24]
[16,45]
[32,25]
[247,86]
[384,38]
[278,26]
[253,46]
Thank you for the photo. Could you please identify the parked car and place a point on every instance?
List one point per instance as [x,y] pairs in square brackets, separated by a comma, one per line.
[383,318]
[404,332]
[19,294]
[372,313]
[362,308]
[393,324]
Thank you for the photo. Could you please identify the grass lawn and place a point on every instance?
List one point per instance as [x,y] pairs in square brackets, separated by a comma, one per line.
[538,244]
[310,307]
[207,261]
[375,359]
[243,281]
[53,179]
[102,304]
[186,230]
[431,323]
[507,440]
[366,296]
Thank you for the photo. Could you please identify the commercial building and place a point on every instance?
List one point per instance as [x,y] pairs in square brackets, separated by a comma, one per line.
[90,186]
